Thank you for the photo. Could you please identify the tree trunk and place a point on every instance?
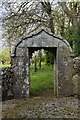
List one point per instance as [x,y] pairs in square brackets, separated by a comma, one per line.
[51,25]
[75,21]
[40,59]
[73,16]
[35,65]
[47,8]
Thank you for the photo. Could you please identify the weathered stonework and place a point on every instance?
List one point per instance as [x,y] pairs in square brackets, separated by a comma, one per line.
[76,76]
[21,63]
[8,82]
[0,84]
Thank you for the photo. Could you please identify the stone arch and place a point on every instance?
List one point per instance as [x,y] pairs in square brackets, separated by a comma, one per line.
[20,62]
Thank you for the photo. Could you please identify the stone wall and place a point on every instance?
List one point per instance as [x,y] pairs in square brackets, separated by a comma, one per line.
[65,86]
[20,84]
[76,76]
[7,83]
[0,85]
[8,80]
[21,69]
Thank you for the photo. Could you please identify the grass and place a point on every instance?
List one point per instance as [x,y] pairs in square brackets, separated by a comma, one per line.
[4,65]
[42,81]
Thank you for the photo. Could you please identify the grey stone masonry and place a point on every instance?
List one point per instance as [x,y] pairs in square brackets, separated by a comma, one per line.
[21,65]
[76,76]
[0,85]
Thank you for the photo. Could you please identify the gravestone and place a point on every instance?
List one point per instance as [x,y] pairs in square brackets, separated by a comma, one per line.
[21,55]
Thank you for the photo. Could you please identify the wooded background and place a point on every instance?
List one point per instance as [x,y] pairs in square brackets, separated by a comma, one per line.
[23,18]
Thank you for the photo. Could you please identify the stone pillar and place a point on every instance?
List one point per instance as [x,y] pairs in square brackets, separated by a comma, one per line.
[0,84]
[55,75]
[76,80]
[26,72]
[76,76]
[21,74]
[65,87]
[0,94]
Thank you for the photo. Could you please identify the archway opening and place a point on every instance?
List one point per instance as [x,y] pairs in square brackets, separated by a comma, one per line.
[43,71]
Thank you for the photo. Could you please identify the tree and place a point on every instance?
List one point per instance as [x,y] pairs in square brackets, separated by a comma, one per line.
[25,17]
[22,18]
[35,63]
[72,10]
[47,8]
[40,58]
[76,39]
[49,57]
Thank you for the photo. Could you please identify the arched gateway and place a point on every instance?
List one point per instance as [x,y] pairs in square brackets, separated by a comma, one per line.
[62,64]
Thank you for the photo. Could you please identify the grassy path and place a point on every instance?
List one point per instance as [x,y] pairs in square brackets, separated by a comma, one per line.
[42,80]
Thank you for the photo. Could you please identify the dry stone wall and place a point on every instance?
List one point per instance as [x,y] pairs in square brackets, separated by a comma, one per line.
[76,76]
[8,82]
[0,85]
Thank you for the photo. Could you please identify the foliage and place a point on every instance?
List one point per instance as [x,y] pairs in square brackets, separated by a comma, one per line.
[25,17]
[70,27]
[72,10]
[4,65]
[76,39]
[73,36]
[49,57]
[5,56]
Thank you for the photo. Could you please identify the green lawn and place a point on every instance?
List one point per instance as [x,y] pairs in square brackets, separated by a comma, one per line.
[42,81]
[4,65]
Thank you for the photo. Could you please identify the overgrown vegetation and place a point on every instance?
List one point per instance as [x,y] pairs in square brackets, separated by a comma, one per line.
[73,36]
[4,65]
[5,57]
[22,18]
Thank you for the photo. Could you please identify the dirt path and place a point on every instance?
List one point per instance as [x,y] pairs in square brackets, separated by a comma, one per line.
[41,107]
